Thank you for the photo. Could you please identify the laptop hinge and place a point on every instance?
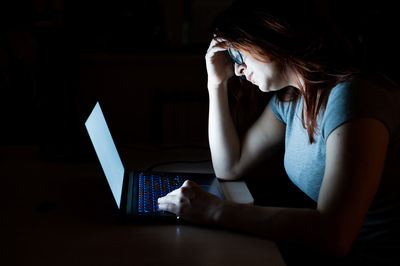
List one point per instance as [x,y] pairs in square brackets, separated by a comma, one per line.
[131,192]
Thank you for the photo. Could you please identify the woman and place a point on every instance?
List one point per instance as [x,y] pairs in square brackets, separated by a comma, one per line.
[338,126]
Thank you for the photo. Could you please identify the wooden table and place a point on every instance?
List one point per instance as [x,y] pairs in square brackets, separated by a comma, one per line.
[62,213]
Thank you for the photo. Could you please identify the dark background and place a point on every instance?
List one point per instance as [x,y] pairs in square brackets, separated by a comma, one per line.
[143,60]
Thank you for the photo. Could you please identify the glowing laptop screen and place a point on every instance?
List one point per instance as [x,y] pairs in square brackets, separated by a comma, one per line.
[106,151]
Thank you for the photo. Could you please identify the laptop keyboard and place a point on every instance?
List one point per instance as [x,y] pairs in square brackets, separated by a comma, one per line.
[153,186]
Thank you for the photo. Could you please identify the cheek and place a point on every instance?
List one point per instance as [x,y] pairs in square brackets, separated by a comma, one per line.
[272,69]
[266,76]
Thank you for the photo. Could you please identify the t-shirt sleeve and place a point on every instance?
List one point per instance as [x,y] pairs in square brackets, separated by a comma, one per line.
[361,99]
[280,109]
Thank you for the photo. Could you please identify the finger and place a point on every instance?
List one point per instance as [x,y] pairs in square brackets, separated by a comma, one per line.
[187,195]
[168,199]
[178,190]
[219,39]
[214,49]
[175,207]
[189,183]
[162,200]
[179,202]
[169,207]
[173,192]
[215,42]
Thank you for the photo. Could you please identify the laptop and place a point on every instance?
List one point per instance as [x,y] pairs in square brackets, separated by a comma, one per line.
[136,192]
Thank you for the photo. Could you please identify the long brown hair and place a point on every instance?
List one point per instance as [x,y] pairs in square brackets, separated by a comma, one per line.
[296,37]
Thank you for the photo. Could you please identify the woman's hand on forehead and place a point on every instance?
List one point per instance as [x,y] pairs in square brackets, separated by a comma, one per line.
[218,63]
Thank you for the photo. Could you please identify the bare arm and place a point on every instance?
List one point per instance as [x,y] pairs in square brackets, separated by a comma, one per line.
[231,158]
[355,156]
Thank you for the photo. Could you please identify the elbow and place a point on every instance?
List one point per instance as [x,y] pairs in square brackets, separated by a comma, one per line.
[226,175]
[339,248]
[339,243]
[224,171]
[333,237]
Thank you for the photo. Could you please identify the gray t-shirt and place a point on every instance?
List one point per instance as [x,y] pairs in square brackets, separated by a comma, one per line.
[305,163]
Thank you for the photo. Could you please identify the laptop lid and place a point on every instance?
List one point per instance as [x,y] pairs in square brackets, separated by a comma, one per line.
[106,151]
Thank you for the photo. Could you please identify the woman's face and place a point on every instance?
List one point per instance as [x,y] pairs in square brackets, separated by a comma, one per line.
[266,75]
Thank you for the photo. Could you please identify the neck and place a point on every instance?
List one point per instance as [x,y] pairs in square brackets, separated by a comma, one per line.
[295,79]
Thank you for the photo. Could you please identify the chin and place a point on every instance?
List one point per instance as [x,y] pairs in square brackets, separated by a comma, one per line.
[264,88]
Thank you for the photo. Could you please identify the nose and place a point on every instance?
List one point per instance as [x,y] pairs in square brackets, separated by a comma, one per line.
[239,69]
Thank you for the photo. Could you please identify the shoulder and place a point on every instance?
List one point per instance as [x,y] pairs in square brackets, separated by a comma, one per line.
[365,88]
[364,96]
[283,104]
